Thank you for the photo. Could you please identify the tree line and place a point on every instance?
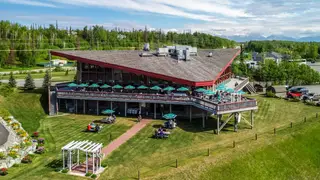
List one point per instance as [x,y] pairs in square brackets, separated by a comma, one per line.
[22,45]
[297,50]
[289,73]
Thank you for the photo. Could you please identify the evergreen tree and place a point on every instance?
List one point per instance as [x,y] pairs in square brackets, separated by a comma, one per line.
[46,80]
[12,81]
[29,83]
[67,72]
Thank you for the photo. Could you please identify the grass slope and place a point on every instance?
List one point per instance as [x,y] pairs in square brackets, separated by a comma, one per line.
[189,142]
[298,157]
[56,76]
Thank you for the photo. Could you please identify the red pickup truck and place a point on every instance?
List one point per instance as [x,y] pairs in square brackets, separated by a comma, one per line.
[296,92]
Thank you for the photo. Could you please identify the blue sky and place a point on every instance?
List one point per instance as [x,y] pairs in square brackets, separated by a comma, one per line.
[294,18]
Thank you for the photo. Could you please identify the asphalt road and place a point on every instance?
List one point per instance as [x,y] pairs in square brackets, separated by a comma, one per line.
[4,133]
[37,82]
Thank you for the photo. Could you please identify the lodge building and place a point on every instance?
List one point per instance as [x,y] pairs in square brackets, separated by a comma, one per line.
[174,66]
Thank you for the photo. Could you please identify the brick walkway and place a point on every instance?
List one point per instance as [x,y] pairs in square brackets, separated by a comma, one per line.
[124,137]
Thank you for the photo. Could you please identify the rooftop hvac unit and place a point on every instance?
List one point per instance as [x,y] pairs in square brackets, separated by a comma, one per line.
[146,47]
[193,51]
[162,51]
[210,54]
[146,54]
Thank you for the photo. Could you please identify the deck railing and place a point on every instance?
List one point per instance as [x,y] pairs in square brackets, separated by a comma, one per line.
[189,100]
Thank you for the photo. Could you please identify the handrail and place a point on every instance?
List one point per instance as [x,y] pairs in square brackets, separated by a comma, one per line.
[239,86]
[191,100]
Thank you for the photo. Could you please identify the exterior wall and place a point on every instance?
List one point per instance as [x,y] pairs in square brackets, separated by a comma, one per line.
[227,74]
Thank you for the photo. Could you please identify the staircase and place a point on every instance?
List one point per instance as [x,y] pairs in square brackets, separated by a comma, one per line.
[53,103]
[245,84]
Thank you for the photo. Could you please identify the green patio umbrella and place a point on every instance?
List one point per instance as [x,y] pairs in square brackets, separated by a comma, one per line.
[241,92]
[209,92]
[117,86]
[169,88]
[200,90]
[182,89]
[129,87]
[107,111]
[105,86]
[156,88]
[142,87]
[230,90]
[94,85]
[221,88]
[83,85]
[169,116]
[72,85]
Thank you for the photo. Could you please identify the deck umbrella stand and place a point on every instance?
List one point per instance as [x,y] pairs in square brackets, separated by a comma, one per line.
[89,147]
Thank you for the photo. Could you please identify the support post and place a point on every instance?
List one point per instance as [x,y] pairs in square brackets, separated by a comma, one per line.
[100,159]
[140,108]
[86,162]
[190,114]
[76,106]
[63,159]
[203,120]
[110,104]
[84,106]
[97,108]
[154,111]
[70,160]
[170,108]
[92,163]
[125,109]
[78,157]
[218,123]
[251,118]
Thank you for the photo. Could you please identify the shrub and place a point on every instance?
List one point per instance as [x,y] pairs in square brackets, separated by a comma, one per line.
[13,154]
[93,176]
[65,170]
[41,71]
[15,126]
[58,69]
[310,103]
[295,99]
[88,174]
[27,159]
[35,134]
[57,169]
[40,150]
[41,140]
[2,155]
[270,94]
[3,171]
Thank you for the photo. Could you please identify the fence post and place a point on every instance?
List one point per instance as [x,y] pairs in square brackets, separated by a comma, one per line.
[305,119]
[256,136]
[208,151]
[138,175]
[274,131]
[291,124]
[176,163]
[234,144]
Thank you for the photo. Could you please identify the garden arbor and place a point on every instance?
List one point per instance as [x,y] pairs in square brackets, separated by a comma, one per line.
[90,148]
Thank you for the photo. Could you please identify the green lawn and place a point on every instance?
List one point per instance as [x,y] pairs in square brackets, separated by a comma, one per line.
[56,76]
[189,143]
[155,158]
[57,132]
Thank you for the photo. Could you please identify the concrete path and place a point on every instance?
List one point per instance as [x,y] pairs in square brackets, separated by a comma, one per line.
[4,133]
[124,137]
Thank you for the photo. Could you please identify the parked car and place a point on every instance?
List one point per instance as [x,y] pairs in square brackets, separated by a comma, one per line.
[310,97]
[297,92]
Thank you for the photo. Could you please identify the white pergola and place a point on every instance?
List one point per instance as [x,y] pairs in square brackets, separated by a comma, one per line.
[86,146]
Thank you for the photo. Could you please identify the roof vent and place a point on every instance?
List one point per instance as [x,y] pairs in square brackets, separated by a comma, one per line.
[146,47]
[146,54]
[210,54]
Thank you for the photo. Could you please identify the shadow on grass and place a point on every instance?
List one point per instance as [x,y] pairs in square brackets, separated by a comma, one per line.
[43,98]
[56,163]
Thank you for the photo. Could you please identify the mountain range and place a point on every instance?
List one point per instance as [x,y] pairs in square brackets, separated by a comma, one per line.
[244,38]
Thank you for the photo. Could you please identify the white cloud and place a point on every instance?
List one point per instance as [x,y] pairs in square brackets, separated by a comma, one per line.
[264,17]
[31,3]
